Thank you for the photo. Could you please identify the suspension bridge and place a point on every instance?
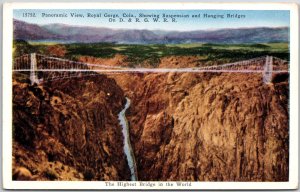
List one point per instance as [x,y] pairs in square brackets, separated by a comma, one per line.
[44,68]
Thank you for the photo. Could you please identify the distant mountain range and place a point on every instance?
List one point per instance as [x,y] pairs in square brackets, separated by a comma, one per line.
[84,34]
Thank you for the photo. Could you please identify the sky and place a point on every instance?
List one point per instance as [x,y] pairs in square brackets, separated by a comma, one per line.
[205,20]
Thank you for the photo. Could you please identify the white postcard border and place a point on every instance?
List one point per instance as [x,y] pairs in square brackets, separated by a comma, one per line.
[7,95]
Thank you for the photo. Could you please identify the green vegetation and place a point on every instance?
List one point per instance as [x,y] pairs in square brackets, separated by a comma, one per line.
[136,54]
[21,47]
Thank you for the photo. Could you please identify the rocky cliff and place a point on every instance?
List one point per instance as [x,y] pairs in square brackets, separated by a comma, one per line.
[68,130]
[183,126]
[208,127]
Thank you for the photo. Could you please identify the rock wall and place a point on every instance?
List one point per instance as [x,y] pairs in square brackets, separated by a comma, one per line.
[183,126]
[68,130]
[208,127]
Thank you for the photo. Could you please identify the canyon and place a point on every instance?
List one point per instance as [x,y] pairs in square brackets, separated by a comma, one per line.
[182,127]
[208,127]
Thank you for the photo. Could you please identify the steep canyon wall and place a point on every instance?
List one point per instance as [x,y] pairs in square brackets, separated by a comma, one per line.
[208,127]
[68,130]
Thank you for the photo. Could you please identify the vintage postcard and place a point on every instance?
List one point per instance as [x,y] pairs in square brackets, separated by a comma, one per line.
[133,96]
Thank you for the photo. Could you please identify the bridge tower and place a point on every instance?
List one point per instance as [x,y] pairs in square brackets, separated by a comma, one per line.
[268,70]
[33,68]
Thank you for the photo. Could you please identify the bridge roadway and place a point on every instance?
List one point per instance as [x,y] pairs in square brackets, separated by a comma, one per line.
[62,68]
[152,70]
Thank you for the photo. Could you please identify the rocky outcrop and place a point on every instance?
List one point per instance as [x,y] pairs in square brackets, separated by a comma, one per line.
[118,60]
[208,127]
[68,130]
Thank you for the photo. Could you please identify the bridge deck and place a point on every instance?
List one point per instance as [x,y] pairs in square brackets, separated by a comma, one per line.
[156,70]
[55,68]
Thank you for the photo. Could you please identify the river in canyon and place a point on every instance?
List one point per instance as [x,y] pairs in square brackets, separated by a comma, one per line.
[127,145]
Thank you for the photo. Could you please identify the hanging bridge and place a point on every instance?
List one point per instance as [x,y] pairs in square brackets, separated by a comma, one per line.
[44,68]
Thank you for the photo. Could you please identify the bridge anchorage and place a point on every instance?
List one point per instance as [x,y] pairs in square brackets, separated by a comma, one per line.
[44,68]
